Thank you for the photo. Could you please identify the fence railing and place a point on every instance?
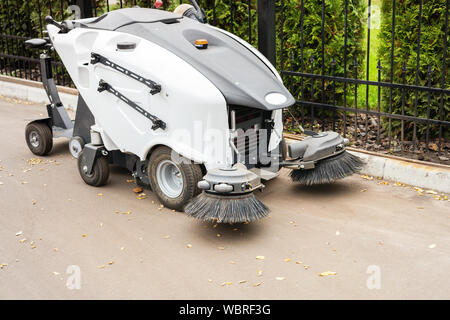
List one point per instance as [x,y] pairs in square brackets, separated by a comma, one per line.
[344,78]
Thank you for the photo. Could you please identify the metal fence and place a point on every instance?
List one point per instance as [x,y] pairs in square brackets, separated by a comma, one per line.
[327,87]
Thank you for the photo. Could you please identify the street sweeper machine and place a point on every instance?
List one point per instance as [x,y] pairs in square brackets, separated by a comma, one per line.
[192,111]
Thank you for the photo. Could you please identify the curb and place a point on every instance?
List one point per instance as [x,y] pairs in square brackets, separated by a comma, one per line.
[410,172]
[33,91]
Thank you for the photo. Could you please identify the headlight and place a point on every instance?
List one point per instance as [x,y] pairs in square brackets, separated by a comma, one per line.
[275,98]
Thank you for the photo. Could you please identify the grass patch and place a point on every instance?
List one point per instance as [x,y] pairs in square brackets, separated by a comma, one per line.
[373,62]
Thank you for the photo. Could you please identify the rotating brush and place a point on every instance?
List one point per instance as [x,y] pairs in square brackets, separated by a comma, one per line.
[328,170]
[226,209]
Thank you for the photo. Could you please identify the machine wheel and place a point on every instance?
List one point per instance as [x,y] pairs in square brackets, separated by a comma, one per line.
[39,138]
[175,184]
[100,171]
[76,145]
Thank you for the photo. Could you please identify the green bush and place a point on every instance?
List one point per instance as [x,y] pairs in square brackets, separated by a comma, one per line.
[239,23]
[405,51]
[23,19]
[312,43]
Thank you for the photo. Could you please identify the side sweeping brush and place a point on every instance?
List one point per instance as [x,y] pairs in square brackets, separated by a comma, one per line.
[226,209]
[329,169]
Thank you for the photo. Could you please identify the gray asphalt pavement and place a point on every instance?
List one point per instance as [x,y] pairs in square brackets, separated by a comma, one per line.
[369,239]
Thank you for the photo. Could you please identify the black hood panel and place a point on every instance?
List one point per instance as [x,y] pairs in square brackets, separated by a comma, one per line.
[237,72]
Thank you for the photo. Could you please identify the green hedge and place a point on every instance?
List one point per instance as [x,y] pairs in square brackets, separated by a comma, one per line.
[239,24]
[405,51]
[312,44]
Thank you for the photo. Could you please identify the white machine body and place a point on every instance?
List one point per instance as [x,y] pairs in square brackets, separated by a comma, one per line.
[194,109]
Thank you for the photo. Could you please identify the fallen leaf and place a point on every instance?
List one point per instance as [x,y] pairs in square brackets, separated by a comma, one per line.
[242,281]
[363,190]
[167,237]
[327,273]
[55,249]
[55,273]
[260,273]
[84,235]
[189,245]
[431,192]
[137,190]
[287,260]
[221,248]
[298,262]
[142,196]
[226,284]
[34,161]
[433,146]
[280,278]
[218,235]
[19,233]
[260,257]
[432,246]
[130,180]
[257,284]
[338,233]
[102,266]
[100,194]
[111,262]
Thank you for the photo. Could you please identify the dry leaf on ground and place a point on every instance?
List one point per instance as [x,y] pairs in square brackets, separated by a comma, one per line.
[327,273]
[137,190]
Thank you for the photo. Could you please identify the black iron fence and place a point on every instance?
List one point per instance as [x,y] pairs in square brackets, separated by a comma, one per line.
[350,64]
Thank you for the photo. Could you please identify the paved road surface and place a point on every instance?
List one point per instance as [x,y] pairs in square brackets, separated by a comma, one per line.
[351,227]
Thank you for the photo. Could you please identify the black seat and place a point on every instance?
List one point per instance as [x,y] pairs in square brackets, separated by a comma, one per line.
[37,43]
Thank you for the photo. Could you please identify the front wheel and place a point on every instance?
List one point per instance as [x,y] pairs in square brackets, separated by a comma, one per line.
[99,174]
[174,182]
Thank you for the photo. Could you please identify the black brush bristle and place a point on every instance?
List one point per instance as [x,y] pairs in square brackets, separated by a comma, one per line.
[329,170]
[226,209]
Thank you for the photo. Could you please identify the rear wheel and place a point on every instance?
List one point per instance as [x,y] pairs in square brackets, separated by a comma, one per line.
[39,138]
[99,174]
[174,182]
